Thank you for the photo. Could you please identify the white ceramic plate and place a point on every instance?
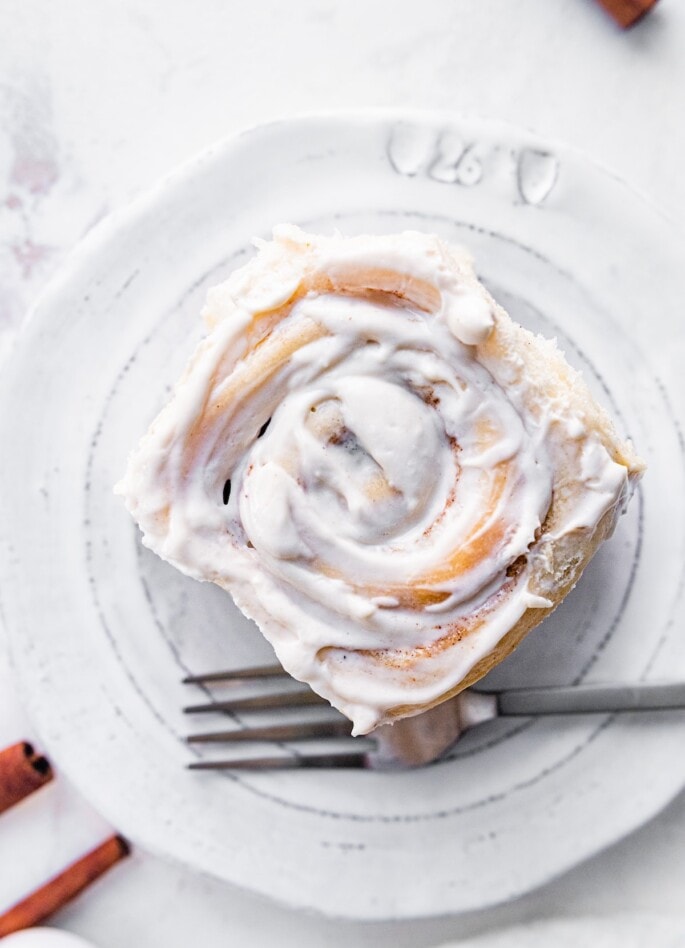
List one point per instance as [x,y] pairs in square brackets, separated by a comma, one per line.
[101,631]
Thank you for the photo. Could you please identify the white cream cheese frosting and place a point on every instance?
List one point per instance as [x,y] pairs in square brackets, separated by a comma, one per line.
[364,453]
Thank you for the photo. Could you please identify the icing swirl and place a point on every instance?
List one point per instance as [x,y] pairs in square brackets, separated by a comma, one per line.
[354,455]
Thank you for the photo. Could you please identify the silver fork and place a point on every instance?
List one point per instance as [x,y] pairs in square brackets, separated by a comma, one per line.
[410,742]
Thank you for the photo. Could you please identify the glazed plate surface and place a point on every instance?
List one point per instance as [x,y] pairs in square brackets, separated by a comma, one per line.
[101,631]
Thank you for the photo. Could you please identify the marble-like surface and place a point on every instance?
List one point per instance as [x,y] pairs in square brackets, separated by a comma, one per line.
[99,98]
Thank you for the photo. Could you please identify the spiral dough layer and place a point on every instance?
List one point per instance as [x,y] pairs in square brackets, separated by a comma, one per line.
[394,480]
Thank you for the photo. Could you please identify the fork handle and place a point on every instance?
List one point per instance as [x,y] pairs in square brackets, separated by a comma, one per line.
[584,699]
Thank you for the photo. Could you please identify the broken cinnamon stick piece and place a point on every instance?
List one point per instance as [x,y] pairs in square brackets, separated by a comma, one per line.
[627,12]
[21,772]
[63,887]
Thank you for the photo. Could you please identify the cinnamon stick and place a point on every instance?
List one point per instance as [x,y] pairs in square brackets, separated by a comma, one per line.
[21,772]
[63,887]
[627,12]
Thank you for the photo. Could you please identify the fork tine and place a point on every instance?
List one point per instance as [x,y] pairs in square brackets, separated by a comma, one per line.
[297,731]
[355,759]
[279,699]
[240,674]
[288,731]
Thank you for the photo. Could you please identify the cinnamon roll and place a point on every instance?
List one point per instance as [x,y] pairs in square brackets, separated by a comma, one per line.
[391,477]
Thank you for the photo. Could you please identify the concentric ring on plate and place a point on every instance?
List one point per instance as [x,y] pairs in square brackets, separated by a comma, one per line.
[390,476]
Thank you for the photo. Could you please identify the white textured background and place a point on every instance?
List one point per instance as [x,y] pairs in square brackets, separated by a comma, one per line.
[98,98]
